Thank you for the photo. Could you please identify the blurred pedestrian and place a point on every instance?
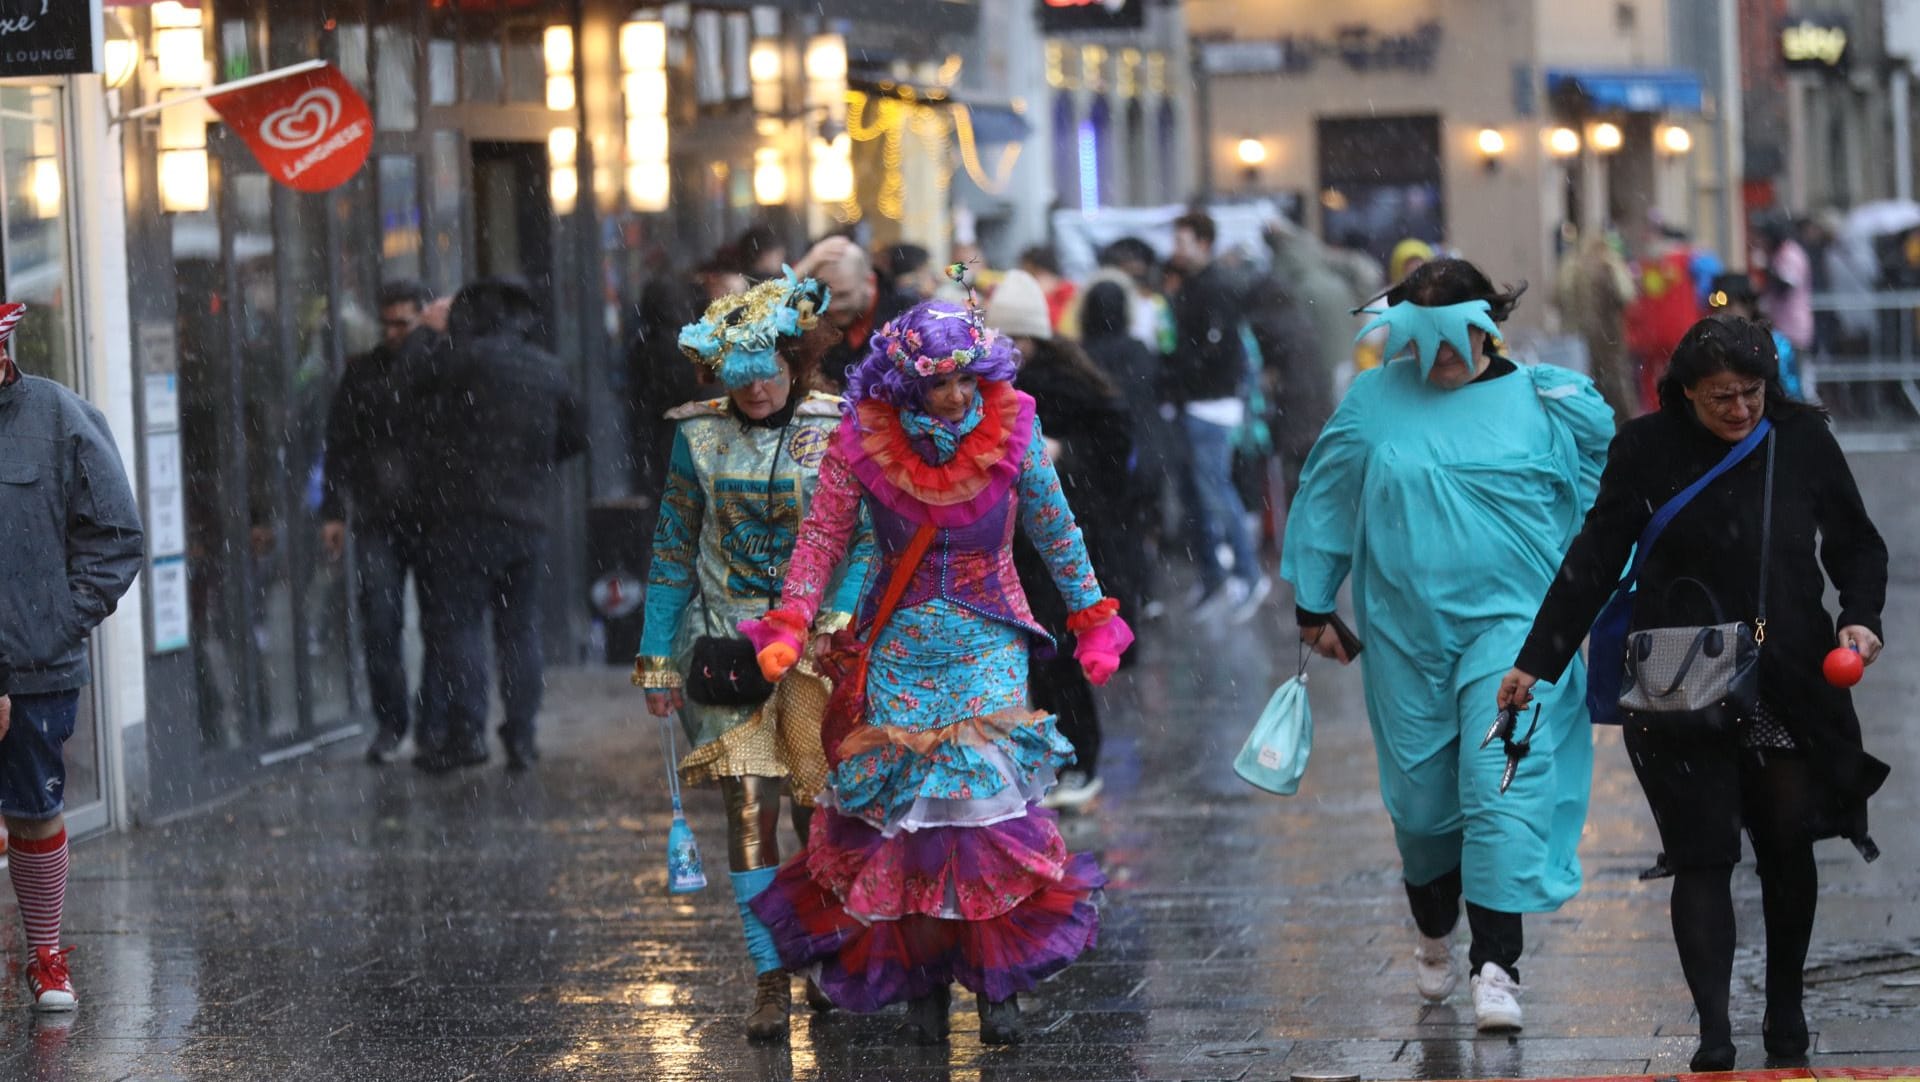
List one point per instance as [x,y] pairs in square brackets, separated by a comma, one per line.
[722,275]
[909,882]
[70,531]
[911,279]
[1664,306]
[840,340]
[1733,296]
[1412,493]
[1794,771]
[1088,434]
[1787,296]
[1041,262]
[368,484]
[660,376]
[1209,374]
[1408,256]
[1106,316]
[498,417]
[744,472]
[1325,297]
[1298,389]
[761,252]
[1593,290]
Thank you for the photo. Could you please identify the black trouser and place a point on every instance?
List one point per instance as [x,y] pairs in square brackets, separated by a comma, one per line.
[1497,937]
[382,555]
[1703,790]
[470,572]
[1061,689]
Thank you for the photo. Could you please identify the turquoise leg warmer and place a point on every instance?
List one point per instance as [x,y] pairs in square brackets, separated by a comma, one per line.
[746,887]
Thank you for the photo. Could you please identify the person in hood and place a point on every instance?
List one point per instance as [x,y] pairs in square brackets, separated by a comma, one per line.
[497,419]
[71,533]
[1446,487]
[368,489]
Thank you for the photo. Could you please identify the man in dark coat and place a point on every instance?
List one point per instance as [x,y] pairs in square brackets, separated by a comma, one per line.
[498,418]
[1208,374]
[70,534]
[368,485]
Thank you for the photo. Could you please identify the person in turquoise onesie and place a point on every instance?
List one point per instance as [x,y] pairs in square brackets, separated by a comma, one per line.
[741,479]
[1448,486]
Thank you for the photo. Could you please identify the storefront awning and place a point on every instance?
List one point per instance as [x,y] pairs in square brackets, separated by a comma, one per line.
[1634,91]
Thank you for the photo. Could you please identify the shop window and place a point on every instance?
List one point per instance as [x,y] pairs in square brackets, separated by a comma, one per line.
[396,63]
[36,230]
[1380,181]
[348,45]
[1096,156]
[709,58]
[526,64]
[1066,151]
[443,76]
[447,264]
[400,255]
[1168,150]
[1140,172]
[739,50]
[482,63]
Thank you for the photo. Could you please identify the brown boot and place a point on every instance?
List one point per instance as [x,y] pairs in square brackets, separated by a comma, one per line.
[772,999]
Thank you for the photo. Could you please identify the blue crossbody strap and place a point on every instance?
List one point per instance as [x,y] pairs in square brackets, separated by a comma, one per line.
[1673,507]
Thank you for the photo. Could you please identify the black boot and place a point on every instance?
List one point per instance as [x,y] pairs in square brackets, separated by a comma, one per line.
[1715,1057]
[1000,1022]
[1785,1035]
[816,999]
[927,1016]
[452,756]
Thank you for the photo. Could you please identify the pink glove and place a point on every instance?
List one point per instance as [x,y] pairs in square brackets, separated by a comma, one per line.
[1099,650]
[776,642]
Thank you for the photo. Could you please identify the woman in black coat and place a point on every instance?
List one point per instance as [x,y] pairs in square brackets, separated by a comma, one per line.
[1081,411]
[1795,772]
[1134,372]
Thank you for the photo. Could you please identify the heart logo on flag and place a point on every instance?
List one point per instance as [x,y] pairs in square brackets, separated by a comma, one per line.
[303,123]
[311,130]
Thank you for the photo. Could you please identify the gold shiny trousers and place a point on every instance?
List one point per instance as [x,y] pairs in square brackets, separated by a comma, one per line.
[753,821]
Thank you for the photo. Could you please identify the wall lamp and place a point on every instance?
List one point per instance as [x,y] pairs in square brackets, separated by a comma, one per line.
[1492,146]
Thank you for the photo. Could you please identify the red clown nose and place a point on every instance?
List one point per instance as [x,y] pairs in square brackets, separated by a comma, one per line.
[1843,668]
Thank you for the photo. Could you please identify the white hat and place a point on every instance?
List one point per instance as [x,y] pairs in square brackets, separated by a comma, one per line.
[1018,307]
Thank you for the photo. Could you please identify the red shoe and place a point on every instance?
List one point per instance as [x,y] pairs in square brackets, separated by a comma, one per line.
[48,981]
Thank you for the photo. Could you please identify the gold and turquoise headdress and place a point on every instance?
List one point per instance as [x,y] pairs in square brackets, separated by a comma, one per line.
[739,336]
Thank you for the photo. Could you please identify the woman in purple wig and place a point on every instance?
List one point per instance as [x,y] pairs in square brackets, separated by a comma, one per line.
[930,861]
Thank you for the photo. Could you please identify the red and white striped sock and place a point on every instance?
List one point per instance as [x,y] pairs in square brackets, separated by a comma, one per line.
[38,868]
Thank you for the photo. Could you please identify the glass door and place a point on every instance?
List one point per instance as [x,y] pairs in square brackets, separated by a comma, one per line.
[36,268]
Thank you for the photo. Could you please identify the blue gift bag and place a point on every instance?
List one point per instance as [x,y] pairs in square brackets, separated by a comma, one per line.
[1275,754]
[684,872]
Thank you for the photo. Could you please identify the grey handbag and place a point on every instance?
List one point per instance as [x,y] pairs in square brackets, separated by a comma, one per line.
[1701,677]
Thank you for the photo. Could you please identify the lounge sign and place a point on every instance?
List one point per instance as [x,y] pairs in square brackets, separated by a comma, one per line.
[1815,43]
[49,37]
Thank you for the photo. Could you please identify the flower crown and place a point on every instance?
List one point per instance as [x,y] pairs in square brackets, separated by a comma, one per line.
[738,335]
[905,346]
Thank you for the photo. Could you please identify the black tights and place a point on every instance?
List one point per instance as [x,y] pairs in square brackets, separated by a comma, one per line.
[1777,796]
[1497,937]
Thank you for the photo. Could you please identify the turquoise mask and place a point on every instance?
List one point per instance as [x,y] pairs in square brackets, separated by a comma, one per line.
[1425,329]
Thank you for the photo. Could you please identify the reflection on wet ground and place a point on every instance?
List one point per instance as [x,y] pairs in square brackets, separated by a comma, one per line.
[359,923]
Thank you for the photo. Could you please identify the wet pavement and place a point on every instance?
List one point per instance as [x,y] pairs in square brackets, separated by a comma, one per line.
[364,923]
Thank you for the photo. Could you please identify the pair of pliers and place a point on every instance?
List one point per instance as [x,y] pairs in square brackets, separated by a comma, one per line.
[1503,725]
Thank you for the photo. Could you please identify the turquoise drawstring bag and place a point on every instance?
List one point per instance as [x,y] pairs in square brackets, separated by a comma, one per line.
[1274,757]
[685,875]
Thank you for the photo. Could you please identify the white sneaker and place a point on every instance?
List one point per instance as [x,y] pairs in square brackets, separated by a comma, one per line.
[1250,605]
[1224,601]
[1074,790]
[1433,972]
[1496,1005]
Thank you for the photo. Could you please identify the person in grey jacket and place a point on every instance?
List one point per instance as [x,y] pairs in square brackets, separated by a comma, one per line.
[70,531]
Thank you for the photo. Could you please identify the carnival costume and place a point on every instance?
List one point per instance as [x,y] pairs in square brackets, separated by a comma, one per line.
[737,491]
[930,861]
[1450,510]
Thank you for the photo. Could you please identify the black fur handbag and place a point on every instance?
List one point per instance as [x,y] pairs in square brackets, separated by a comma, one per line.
[725,672]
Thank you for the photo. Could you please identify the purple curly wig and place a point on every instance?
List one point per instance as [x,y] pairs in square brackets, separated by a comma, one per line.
[938,329]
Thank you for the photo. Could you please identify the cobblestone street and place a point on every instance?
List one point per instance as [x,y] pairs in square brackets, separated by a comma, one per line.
[372,924]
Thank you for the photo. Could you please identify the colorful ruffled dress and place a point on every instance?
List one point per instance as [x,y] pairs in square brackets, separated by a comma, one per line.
[930,861]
